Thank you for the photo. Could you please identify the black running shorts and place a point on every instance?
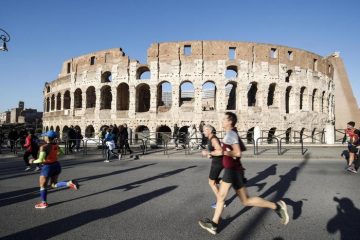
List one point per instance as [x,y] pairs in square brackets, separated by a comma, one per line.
[352,148]
[236,178]
[215,171]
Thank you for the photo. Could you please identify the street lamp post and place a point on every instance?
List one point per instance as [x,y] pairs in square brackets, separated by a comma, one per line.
[4,37]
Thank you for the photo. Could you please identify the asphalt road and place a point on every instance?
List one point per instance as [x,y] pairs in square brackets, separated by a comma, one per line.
[159,197]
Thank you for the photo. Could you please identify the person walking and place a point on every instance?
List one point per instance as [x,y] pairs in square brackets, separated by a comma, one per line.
[234,176]
[51,168]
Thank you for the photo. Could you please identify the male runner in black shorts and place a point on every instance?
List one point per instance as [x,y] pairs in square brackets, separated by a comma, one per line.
[234,175]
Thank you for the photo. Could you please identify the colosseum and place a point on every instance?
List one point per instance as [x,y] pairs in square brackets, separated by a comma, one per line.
[273,89]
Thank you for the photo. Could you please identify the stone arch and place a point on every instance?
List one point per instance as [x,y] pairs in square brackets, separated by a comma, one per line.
[230,95]
[288,135]
[314,100]
[143,72]
[143,96]
[77,127]
[48,89]
[231,72]
[208,98]
[186,96]
[303,98]
[161,131]
[123,94]
[53,102]
[67,99]
[64,132]
[271,134]
[90,97]
[183,130]
[250,135]
[57,130]
[164,96]
[51,128]
[322,101]
[287,99]
[251,95]
[141,131]
[106,77]
[58,101]
[288,74]
[89,131]
[271,95]
[46,128]
[47,104]
[105,97]
[78,98]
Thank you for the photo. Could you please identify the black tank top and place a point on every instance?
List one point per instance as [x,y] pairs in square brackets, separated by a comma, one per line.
[215,159]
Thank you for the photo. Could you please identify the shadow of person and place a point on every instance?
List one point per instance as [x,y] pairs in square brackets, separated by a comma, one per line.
[347,220]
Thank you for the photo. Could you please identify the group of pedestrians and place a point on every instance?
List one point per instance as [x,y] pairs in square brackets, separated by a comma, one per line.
[115,138]
[74,137]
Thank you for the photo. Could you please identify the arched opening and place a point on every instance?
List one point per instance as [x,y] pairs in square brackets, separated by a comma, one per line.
[142,98]
[64,132]
[288,135]
[251,95]
[143,73]
[90,131]
[163,132]
[301,134]
[48,89]
[287,99]
[106,77]
[164,97]
[322,101]
[90,97]
[271,135]
[288,74]
[230,95]
[186,99]
[123,94]
[313,100]
[313,135]
[57,130]
[53,102]
[208,100]
[67,100]
[58,101]
[250,135]
[46,128]
[78,128]
[303,98]
[47,104]
[78,98]
[231,72]
[271,94]
[105,97]
[51,128]
[141,132]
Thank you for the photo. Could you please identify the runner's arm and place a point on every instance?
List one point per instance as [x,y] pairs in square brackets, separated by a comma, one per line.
[235,152]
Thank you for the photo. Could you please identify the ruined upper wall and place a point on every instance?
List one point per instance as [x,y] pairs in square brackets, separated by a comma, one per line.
[251,52]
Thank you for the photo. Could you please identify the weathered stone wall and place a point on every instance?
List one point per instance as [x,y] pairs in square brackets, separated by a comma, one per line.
[208,61]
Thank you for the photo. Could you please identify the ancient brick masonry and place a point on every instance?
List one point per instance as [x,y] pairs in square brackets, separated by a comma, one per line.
[268,86]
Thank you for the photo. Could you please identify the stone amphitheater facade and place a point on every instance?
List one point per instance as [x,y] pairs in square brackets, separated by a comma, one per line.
[269,87]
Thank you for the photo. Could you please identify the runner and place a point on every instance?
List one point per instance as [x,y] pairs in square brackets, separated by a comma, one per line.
[51,168]
[214,153]
[32,148]
[234,176]
[352,139]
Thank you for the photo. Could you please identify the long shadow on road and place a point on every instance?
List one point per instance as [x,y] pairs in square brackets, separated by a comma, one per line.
[279,190]
[54,228]
[132,185]
[30,193]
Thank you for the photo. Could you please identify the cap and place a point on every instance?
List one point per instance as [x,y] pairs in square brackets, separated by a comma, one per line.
[50,134]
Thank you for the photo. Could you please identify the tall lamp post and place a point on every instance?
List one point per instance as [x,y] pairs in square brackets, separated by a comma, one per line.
[4,37]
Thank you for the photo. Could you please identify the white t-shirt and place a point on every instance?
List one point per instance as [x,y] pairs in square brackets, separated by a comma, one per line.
[231,137]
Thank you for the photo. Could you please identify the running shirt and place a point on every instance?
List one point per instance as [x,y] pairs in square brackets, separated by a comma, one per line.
[216,160]
[51,150]
[231,138]
[352,136]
